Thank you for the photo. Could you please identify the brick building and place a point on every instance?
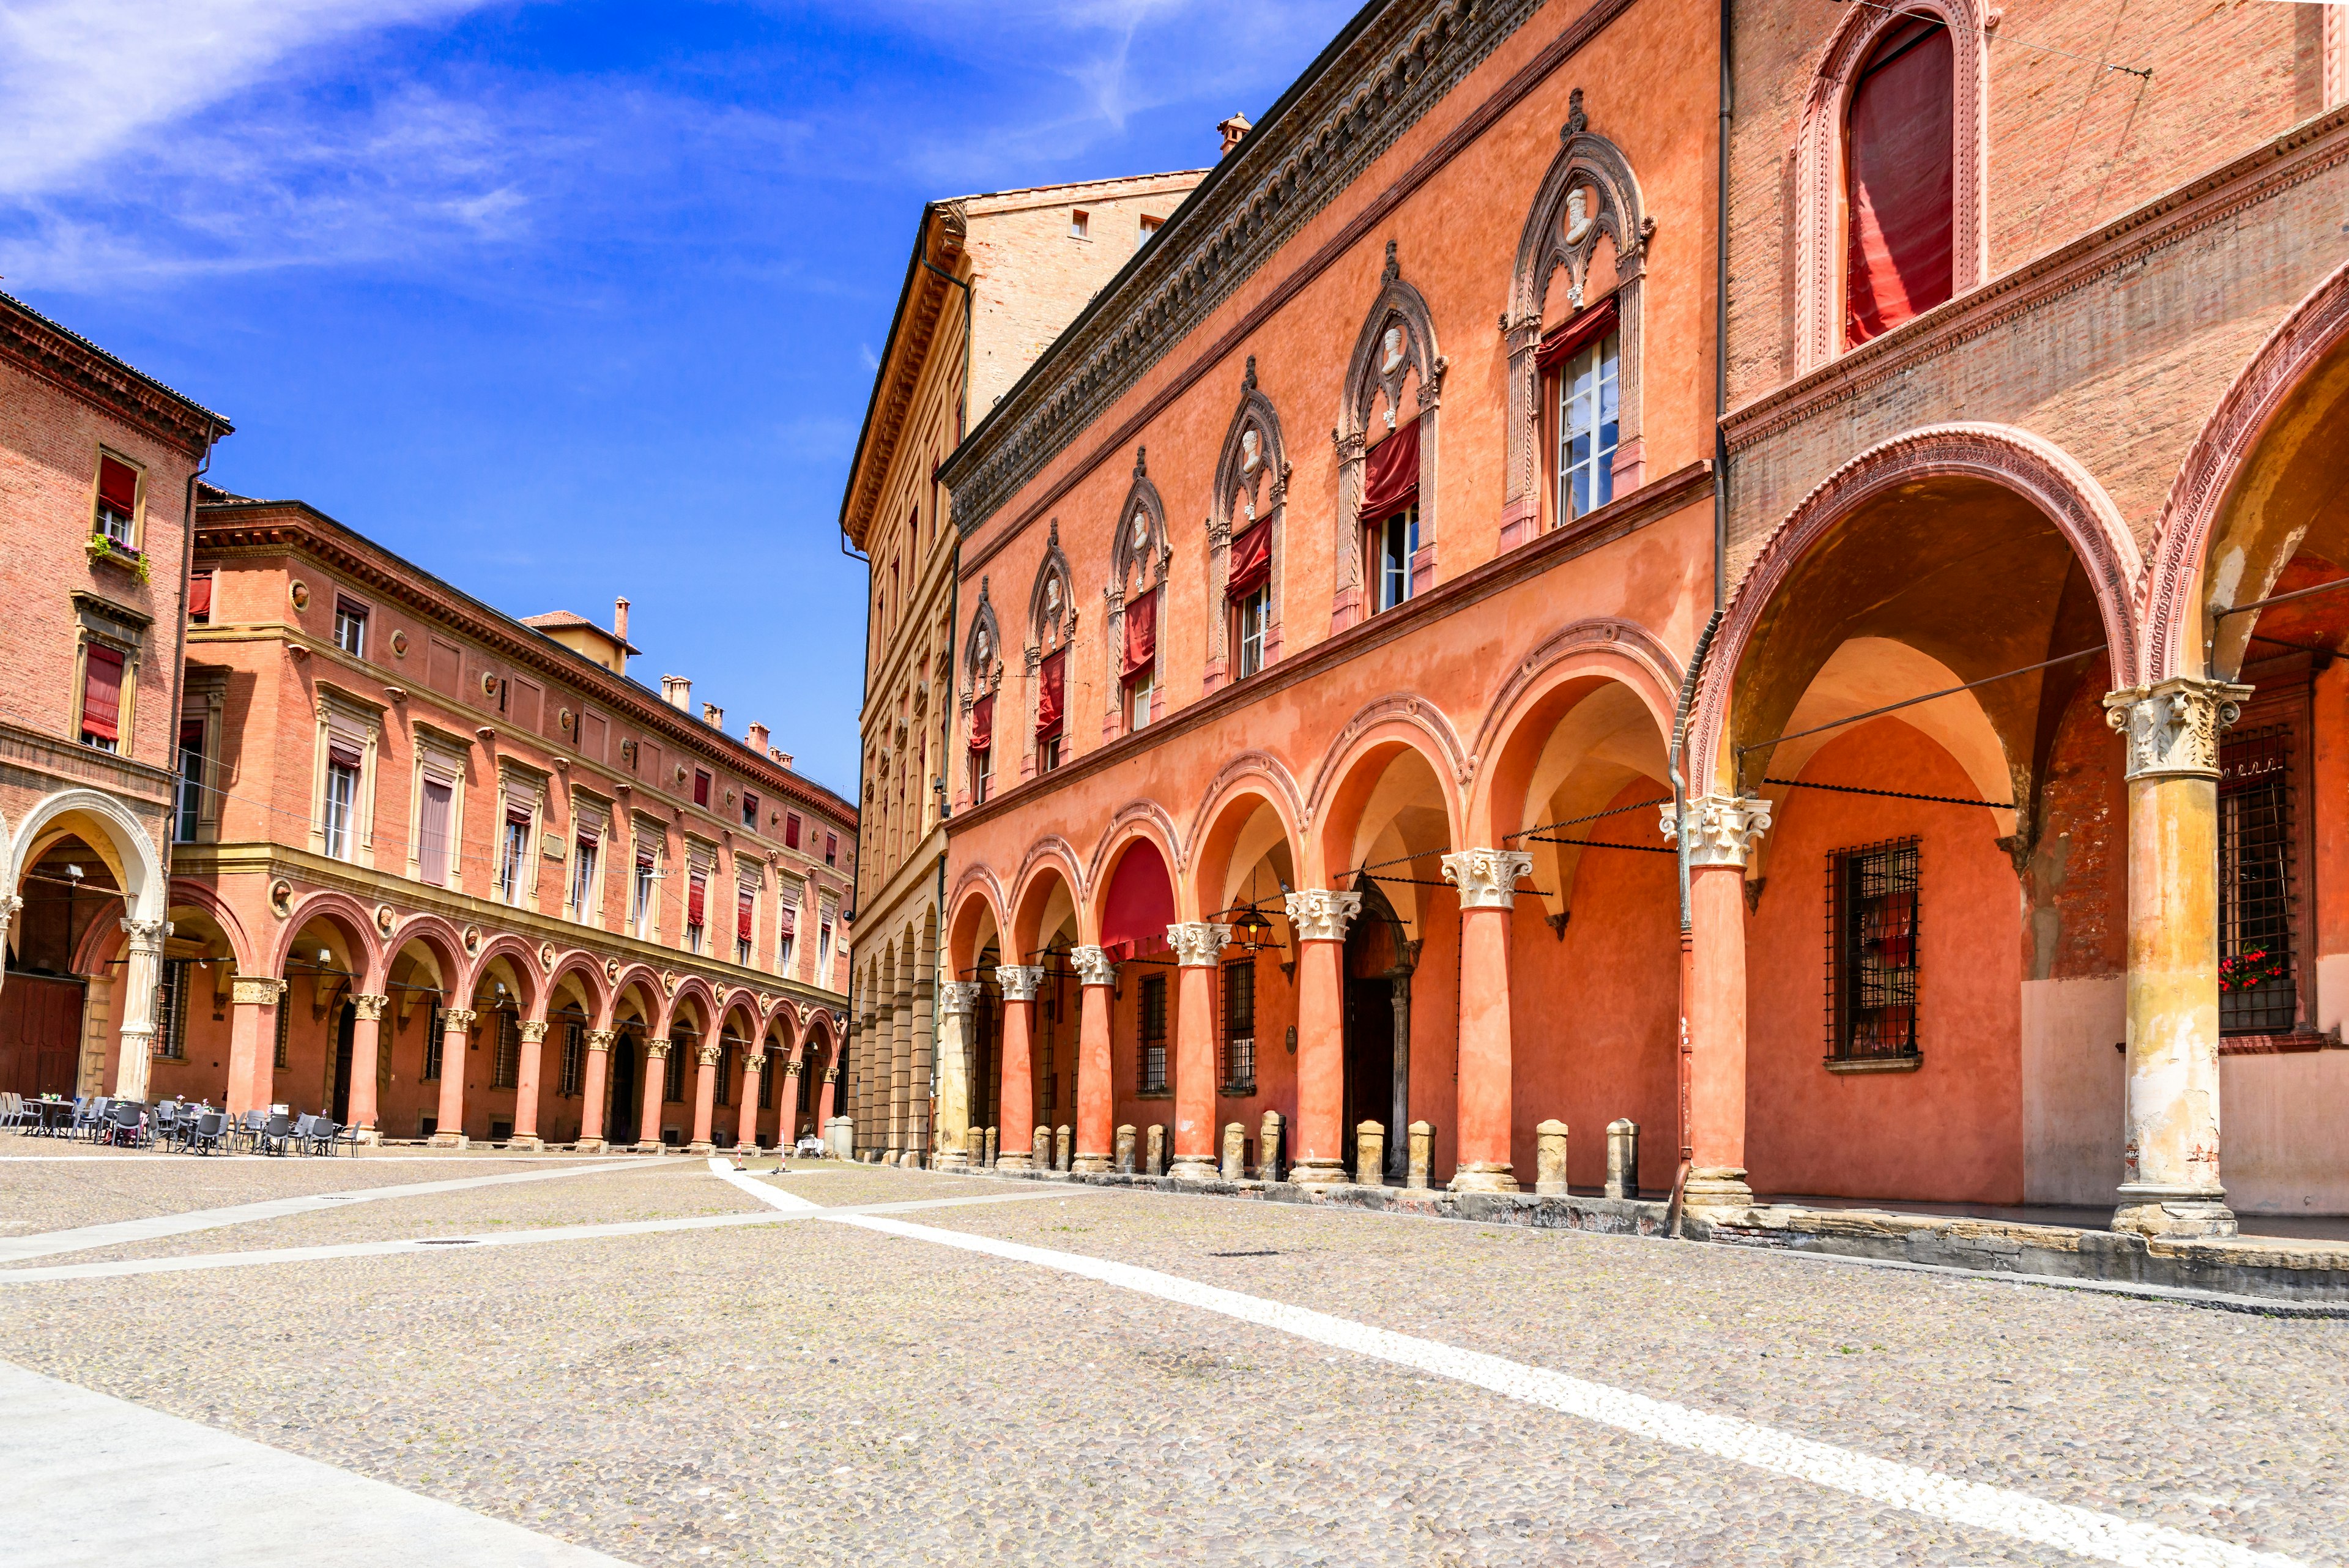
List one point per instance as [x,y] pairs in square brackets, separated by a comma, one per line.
[992,281]
[441,873]
[97,471]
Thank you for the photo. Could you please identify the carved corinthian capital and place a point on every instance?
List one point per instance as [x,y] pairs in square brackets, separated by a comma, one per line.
[1319,915]
[533,1030]
[1198,944]
[1094,966]
[600,1039]
[1019,981]
[456,1019]
[706,1053]
[145,936]
[2172,729]
[255,989]
[1488,878]
[369,1008]
[656,1050]
[8,907]
[958,997]
[1722,828]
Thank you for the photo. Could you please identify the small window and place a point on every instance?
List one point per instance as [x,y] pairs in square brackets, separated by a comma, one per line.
[1149,227]
[2258,987]
[101,698]
[750,810]
[200,600]
[832,849]
[1394,543]
[513,856]
[1240,1028]
[700,787]
[171,1000]
[350,633]
[791,830]
[342,800]
[1250,617]
[117,501]
[1151,1067]
[1872,909]
[1080,225]
[188,796]
[1586,425]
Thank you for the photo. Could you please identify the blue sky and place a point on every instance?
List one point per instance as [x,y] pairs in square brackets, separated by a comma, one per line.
[569,300]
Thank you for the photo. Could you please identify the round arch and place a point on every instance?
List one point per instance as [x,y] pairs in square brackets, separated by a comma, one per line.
[348,915]
[1050,860]
[188,893]
[1350,770]
[1250,809]
[582,965]
[522,962]
[119,839]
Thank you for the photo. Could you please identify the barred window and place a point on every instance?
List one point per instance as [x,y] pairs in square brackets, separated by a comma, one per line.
[574,1060]
[505,1063]
[1872,937]
[171,1027]
[720,1095]
[767,1083]
[1154,1036]
[1239,1027]
[2257,993]
[284,1022]
[673,1082]
[432,1031]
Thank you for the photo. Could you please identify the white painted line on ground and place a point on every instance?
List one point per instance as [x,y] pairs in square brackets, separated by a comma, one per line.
[97,1481]
[2082,1531]
[155,1227]
[773,1197]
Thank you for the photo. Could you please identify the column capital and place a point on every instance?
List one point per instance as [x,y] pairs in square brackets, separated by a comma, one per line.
[9,905]
[255,989]
[600,1039]
[533,1030]
[1019,981]
[1198,944]
[1094,966]
[146,936]
[706,1053]
[369,1009]
[1319,915]
[1488,878]
[791,1068]
[832,1074]
[456,1018]
[656,1050]
[959,998]
[1722,828]
[2171,728]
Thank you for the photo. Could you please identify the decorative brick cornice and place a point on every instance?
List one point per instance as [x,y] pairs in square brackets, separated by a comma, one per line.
[912,330]
[68,360]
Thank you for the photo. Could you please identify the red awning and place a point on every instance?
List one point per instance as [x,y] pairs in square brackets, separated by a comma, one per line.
[101,694]
[199,595]
[1579,332]
[693,901]
[1140,904]
[117,485]
[742,917]
[1251,559]
[1390,478]
[1141,634]
[343,754]
[982,737]
[1899,182]
[1051,692]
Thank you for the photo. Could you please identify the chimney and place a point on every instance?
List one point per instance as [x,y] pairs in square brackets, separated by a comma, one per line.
[783,758]
[620,619]
[677,691]
[713,715]
[1234,129]
[755,737]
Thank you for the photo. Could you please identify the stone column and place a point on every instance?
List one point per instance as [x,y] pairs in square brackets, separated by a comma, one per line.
[9,905]
[2169,1178]
[1622,1158]
[599,1074]
[1549,1157]
[957,1004]
[746,1120]
[920,1073]
[1097,977]
[648,1121]
[1488,880]
[253,1041]
[705,1096]
[1720,832]
[141,974]
[528,1074]
[900,1079]
[456,1032]
[1198,948]
[1319,918]
[367,1045]
[1017,1119]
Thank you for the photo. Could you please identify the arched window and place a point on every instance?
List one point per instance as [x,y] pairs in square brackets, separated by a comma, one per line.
[1898,181]
[1386,454]
[983,674]
[1052,621]
[1138,555]
[1244,538]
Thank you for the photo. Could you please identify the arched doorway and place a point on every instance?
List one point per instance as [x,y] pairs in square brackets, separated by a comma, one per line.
[1380,959]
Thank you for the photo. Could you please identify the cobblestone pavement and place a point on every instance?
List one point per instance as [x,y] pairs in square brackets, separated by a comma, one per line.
[811,1391]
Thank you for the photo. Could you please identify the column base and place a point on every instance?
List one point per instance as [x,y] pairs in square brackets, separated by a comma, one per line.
[1320,1173]
[367,1134]
[527,1141]
[1014,1162]
[1718,1195]
[649,1146]
[451,1140]
[2181,1213]
[702,1146]
[1196,1168]
[589,1146]
[954,1159]
[1089,1165]
[1484,1176]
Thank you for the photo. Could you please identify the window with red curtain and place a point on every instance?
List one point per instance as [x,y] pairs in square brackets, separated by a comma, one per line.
[117,498]
[700,787]
[1391,477]
[695,899]
[1251,559]
[1141,635]
[1052,687]
[102,697]
[1899,181]
[742,916]
[200,598]
[982,723]
[791,830]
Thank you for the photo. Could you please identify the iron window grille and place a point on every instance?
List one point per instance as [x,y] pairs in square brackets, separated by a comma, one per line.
[1872,951]
[505,1063]
[719,1095]
[1240,1028]
[2258,988]
[673,1079]
[432,1043]
[1153,1065]
[284,1022]
[574,1060]
[171,1028]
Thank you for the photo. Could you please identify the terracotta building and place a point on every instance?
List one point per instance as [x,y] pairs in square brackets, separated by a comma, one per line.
[992,281]
[1509,765]
[440,873]
[98,475]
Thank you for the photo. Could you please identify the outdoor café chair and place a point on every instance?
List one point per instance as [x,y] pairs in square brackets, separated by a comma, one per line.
[302,1126]
[248,1130]
[90,1116]
[276,1133]
[13,1113]
[347,1139]
[319,1137]
[165,1127]
[125,1123]
[209,1132]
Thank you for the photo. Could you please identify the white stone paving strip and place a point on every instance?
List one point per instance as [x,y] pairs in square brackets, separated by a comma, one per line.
[124,1232]
[2081,1531]
[95,1482]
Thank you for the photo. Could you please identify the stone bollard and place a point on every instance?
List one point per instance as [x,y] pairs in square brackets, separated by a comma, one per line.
[1126,1150]
[990,1148]
[1041,1149]
[1370,1155]
[1268,1149]
[1154,1158]
[1422,1152]
[1549,1157]
[975,1146]
[1235,1152]
[1064,1146]
[1623,1159]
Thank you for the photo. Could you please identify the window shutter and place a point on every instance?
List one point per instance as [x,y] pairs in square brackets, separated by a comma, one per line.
[1051,686]
[200,596]
[700,787]
[791,830]
[1391,479]
[982,723]
[1900,182]
[743,907]
[694,901]
[1141,634]
[117,485]
[1251,563]
[101,693]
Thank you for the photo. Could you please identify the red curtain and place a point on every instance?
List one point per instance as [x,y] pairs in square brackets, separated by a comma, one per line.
[742,920]
[101,694]
[787,921]
[982,737]
[1141,634]
[1052,687]
[200,596]
[693,902]
[1899,183]
[117,485]
[1580,330]
[791,830]
[1391,482]
[1251,559]
[344,754]
[432,838]
[1140,904]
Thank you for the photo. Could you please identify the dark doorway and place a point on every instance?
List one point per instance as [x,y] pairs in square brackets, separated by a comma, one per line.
[347,1024]
[1379,961]
[40,1034]
[620,1122]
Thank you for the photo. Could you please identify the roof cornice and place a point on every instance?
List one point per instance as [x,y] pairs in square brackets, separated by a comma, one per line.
[66,360]
[913,329]
[1392,63]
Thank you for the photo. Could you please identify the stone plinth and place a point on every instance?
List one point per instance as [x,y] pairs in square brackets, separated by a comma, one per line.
[1549,1157]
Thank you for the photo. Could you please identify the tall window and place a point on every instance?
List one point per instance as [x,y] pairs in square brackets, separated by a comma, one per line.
[700,787]
[101,698]
[832,849]
[505,1060]
[786,930]
[583,876]
[342,797]
[2258,987]
[696,910]
[351,628]
[746,904]
[640,897]
[982,748]
[767,1088]
[1587,428]
[1239,1027]
[791,830]
[171,1027]
[680,1047]
[750,810]
[432,833]
[117,501]
[1899,181]
[724,1070]
[1151,1067]
[1396,540]
[1872,909]
[1250,615]
[187,797]
[574,1061]
[822,951]
[432,1043]
[513,851]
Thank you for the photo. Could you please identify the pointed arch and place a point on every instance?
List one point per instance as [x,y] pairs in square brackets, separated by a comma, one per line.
[1139,553]
[1396,346]
[1251,489]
